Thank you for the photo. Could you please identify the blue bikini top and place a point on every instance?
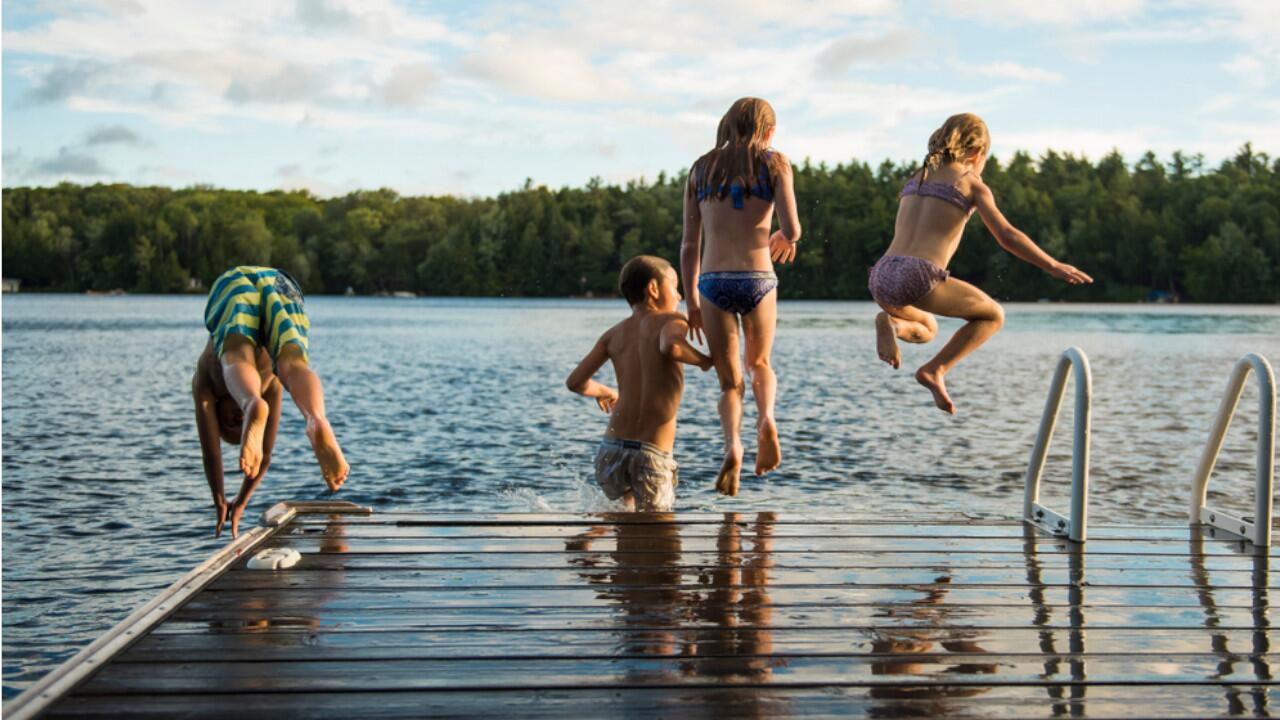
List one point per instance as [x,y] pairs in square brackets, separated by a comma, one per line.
[737,193]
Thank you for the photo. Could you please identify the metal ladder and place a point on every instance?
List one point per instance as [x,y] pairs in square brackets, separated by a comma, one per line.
[1258,528]
[1074,527]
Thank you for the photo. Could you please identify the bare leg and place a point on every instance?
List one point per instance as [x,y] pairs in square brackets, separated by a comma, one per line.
[957,298]
[758,327]
[307,393]
[722,340]
[902,323]
[240,372]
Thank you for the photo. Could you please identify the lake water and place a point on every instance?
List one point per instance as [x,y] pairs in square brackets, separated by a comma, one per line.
[448,404]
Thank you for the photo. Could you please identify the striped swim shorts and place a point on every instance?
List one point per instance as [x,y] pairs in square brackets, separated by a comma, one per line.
[260,303]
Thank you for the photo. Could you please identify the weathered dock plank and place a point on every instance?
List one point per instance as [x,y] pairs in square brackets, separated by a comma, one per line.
[748,614]
[1004,703]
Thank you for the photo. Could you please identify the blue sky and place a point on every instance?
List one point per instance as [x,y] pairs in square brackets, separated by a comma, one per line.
[471,98]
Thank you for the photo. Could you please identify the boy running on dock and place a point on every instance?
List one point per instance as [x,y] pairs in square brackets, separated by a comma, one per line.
[634,461]
[257,348]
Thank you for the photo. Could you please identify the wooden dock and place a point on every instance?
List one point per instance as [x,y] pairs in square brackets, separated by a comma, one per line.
[736,615]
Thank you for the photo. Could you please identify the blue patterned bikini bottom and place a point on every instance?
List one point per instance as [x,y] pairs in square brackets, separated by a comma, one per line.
[736,292]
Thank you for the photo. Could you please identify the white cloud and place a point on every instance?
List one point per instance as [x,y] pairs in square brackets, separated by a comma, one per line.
[847,52]
[1015,12]
[1015,71]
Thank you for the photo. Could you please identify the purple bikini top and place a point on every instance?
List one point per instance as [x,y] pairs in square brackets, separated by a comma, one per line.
[943,191]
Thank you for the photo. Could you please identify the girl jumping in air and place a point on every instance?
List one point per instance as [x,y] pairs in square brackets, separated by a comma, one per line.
[730,198]
[911,282]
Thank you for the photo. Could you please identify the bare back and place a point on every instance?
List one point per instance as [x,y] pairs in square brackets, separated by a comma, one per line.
[721,237]
[929,227]
[650,384]
[736,239]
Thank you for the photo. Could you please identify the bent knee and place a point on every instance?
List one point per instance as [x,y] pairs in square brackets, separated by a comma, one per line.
[991,312]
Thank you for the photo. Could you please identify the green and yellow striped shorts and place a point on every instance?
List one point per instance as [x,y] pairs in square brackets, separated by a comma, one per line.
[260,303]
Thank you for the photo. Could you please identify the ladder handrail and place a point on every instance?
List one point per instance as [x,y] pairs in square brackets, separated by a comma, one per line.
[1259,530]
[1075,527]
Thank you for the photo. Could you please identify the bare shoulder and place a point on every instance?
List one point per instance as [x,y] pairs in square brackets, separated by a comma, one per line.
[675,319]
[781,162]
[977,188]
[610,338]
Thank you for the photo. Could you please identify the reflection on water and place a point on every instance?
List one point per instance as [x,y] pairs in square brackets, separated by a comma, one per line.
[720,629]
[714,626]
[1253,701]
[260,614]
[446,404]
[1069,699]
[934,637]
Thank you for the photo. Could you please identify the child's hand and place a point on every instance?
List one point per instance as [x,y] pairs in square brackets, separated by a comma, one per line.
[607,400]
[1066,272]
[695,322]
[781,249]
[220,512]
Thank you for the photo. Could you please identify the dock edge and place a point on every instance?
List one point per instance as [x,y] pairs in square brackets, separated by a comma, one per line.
[68,675]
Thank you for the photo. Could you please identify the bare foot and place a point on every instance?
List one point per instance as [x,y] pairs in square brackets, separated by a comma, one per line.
[887,341]
[727,480]
[255,424]
[768,454]
[332,465]
[932,379]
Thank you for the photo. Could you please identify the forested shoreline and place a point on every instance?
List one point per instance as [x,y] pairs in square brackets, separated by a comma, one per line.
[1155,228]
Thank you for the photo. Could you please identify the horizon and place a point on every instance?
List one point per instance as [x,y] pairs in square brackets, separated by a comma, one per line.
[470,100]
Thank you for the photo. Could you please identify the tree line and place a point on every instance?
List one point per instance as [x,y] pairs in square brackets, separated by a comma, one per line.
[1155,228]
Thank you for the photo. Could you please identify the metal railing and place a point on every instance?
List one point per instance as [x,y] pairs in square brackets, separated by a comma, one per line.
[1074,527]
[1258,528]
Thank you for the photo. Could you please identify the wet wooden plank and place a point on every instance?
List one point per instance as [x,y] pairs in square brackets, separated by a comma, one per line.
[1226,645]
[1013,702]
[660,590]
[606,618]
[884,559]
[755,615]
[308,576]
[777,545]
[747,530]
[622,518]
[887,669]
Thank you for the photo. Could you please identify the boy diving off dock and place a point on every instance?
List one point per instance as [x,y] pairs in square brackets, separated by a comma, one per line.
[257,348]
[634,461]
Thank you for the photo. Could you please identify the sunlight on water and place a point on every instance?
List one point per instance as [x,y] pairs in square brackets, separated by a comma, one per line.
[460,405]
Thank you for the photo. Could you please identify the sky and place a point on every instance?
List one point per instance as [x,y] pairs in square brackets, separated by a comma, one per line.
[472,98]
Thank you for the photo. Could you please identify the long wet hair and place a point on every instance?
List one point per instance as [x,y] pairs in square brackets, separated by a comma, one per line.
[739,153]
[958,138]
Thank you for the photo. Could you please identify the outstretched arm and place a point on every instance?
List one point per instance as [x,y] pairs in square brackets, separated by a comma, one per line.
[673,343]
[210,443]
[1016,242]
[580,381]
[274,395]
[691,258]
[782,244]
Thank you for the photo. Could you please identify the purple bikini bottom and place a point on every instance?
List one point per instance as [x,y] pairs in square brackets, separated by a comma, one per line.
[901,280]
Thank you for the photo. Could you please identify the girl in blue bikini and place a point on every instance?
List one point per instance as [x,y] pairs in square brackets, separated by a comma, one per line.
[731,198]
[911,282]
